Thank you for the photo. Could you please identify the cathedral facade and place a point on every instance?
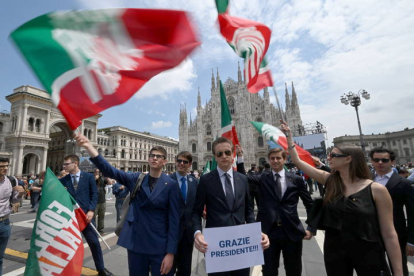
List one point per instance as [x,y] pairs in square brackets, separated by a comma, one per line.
[197,135]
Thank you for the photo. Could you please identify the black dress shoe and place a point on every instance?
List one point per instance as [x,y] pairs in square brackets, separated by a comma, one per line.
[105,272]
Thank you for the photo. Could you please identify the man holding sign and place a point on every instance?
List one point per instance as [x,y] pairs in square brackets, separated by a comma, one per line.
[226,195]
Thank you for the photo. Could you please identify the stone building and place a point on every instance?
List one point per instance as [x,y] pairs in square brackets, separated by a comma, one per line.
[34,135]
[198,134]
[401,142]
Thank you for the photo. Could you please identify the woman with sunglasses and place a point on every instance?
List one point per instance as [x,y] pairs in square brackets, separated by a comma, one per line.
[357,214]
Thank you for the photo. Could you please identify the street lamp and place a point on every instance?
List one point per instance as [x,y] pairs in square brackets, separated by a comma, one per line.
[355,100]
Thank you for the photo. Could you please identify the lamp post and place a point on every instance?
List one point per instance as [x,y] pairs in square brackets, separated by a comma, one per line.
[355,100]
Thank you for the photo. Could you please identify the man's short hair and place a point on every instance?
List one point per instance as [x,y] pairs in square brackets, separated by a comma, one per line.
[160,149]
[382,150]
[277,150]
[72,157]
[4,160]
[267,165]
[261,168]
[221,140]
[187,155]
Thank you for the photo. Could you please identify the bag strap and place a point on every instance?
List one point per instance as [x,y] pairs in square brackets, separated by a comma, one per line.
[14,182]
[137,187]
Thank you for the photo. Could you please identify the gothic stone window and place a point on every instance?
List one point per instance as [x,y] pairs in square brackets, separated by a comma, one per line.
[194,147]
[230,103]
[259,119]
[260,142]
[208,129]
[208,146]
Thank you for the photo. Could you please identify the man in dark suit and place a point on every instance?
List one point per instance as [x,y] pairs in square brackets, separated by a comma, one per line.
[150,231]
[279,193]
[402,194]
[225,193]
[82,187]
[188,187]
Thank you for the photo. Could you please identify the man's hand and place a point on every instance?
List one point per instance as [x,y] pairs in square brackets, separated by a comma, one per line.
[122,187]
[19,189]
[82,141]
[409,250]
[89,216]
[265,241]
[167,263]
[308,235]
[200,244]
[239,151]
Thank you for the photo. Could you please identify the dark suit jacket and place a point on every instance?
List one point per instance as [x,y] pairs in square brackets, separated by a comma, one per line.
[152,222]
[186,208]
[402,193]
[273,209]
[86,194]
[210,193]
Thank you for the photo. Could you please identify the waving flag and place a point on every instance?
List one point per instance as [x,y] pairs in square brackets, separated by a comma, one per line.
[56,247]
[275,135]
[228,130]
[92,60]
[250,40]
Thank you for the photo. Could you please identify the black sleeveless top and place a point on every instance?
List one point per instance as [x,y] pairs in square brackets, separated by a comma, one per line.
[355,214]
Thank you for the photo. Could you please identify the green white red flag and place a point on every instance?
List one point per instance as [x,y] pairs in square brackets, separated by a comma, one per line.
[250,40]
[91,60]
[228,130]
[56,247]
[274,134]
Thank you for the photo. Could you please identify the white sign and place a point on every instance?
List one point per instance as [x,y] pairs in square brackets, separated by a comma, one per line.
[234,247]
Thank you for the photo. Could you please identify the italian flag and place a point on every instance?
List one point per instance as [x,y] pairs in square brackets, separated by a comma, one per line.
[250,40]
[228,130]
[275,135]
[91,60]
[56,247]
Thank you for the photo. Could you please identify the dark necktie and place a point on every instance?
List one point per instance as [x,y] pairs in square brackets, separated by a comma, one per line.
[278,185]
[75,182]
[184,187]
[229,191]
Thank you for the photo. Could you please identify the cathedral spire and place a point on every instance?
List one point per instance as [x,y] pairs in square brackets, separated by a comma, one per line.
[287,98]
[218,79]
[199,99]
[239,74]
[294,97]
[213,84]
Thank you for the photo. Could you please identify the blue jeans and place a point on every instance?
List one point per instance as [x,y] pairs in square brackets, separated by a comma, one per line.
[4,238]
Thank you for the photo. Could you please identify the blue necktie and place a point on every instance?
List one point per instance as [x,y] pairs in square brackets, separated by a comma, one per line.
[184,187]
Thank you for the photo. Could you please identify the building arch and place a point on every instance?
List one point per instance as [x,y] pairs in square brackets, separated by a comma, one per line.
[231,105]
[31,163]
[60,145]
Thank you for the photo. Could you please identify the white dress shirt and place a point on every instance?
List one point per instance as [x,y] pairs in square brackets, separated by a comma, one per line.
[223,178]
[282,180]
[383,180]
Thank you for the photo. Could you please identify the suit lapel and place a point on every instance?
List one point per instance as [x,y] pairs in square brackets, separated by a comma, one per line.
[289,184]
[145,185]
[394,179]
[218,186]
[191,189]
[162,182]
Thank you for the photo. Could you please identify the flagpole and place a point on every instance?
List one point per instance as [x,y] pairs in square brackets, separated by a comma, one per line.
[278,105]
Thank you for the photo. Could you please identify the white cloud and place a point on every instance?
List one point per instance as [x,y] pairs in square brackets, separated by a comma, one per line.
[160,124]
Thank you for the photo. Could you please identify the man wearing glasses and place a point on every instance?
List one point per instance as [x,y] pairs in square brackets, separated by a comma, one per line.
[10,193]
[188,186]
[225,193]
[402,194]
[82,187]
[150,230]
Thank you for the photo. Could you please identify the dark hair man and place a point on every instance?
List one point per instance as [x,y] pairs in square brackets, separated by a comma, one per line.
[188,187]
[82,187]
[279,193]
[229,210]
[402,194]
[150,231]
[11,193]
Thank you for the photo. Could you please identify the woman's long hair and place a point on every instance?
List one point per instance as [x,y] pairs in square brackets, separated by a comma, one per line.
[358,168]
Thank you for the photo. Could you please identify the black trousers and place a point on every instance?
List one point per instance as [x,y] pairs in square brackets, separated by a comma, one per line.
[254,196]
[344,253]
[292,254]
[182,260]
[240,272]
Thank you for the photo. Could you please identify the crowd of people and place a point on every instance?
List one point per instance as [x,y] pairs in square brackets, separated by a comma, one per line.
[366,228]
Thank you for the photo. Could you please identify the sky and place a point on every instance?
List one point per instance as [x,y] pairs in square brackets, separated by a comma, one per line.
[327,48]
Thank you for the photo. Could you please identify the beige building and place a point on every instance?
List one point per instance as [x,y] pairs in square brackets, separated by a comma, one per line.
[401,142]
[34,135]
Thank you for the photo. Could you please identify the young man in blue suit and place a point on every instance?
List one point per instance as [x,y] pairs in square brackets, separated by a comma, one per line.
[225,193]
[279,193]
[82,187]
[150,231]
[188,186]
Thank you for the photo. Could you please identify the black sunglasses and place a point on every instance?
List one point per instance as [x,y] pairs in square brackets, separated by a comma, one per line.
[220,153]
[182,161]
[159,156]
[332,155]
[383,160]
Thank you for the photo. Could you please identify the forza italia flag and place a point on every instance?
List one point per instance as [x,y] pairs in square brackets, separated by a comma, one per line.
[275,135]
[56,247]
[250,40]
[91,60]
